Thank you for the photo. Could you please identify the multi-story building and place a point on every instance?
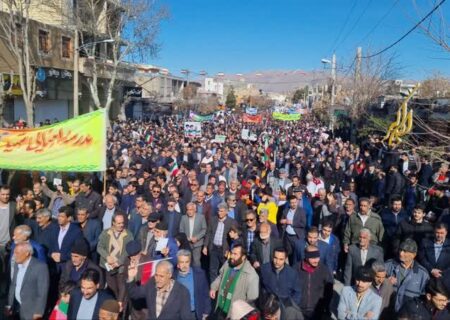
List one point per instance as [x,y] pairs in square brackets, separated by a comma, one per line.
[52,50]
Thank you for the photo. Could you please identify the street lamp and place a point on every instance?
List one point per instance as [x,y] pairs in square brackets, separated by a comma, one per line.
[333,75]
[76,56]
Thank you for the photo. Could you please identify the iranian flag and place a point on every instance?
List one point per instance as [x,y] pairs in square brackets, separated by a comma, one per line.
[267,152]
[148,138]
[149,269]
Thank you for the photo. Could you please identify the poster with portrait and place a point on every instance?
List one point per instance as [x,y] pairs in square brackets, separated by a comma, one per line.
[192,129]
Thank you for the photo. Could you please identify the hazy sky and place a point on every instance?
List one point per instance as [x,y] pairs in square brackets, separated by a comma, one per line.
[237,36]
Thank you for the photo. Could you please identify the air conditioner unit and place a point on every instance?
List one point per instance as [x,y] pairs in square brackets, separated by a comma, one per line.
[398,82]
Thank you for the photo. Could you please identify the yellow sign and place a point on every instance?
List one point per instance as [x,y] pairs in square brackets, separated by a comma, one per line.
[77,145]
[14,87]
[403,123]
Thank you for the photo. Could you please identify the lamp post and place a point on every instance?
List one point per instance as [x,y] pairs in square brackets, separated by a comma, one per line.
[76,56]
[333,75]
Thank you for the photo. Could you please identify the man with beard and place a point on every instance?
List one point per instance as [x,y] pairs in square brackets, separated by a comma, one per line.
[237,280]
[316,284]
[360,301]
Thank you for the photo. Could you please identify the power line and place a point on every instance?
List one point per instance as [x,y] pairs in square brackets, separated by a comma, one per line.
[407,33]
[335,42]
[357,21]
[381,20]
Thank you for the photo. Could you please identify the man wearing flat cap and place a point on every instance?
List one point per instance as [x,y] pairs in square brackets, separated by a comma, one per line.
[109,310]
[360,301]
[170,249]
[408,277]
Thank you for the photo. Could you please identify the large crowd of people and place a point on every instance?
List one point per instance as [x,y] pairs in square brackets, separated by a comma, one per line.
[297,224]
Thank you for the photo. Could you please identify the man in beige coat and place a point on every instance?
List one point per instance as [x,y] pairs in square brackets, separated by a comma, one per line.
[237,280]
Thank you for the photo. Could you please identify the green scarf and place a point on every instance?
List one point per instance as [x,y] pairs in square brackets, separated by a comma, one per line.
[224,303]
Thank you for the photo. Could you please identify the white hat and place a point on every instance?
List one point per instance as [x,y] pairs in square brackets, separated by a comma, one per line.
[240,309]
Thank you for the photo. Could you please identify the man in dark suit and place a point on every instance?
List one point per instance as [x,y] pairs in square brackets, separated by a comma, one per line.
[29,287]
[105,213]
[64,237]
[193,225]
[263,246]
[216,244]
[81,304]
[166,298]
[91,229]
[361,254]
[435,254]
[172,218]
[293,223]
[194,279]
[204,208]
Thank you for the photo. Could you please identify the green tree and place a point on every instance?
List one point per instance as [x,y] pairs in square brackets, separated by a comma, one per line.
[231,99]
[300,94]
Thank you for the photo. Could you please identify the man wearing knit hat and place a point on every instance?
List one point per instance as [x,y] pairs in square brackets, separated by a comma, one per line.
[109,310]
[78,263]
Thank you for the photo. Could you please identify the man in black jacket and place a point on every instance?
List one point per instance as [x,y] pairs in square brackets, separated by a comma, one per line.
[435,254]
[316,284]
[432,306]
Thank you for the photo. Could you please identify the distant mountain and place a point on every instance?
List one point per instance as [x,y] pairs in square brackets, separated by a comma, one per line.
[280,81]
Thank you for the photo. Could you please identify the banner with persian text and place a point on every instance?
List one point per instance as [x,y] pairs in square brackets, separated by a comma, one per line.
[252,119]
[74,145]
[286,117]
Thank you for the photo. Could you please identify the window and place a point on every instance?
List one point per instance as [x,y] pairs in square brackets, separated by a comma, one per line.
[44,42]
[66,47]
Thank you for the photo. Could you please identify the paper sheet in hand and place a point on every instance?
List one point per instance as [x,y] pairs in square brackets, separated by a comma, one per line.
[162,243]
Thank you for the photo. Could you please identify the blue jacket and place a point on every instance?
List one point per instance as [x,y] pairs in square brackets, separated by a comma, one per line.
[390,223]
[348,308]
[284,285]
[173,250]
[326,255]
[38,251]
[412,286]
[335,249]
[91,232]
[201,292]
[135,225]
[72,234]
[309,211]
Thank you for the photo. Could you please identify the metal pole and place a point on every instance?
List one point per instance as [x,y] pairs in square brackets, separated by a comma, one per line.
[75,75]
[333,78]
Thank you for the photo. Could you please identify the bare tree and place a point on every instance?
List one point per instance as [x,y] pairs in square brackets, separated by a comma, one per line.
[15,24]
[437,27]
[129,26]
[369,82]
[435,86]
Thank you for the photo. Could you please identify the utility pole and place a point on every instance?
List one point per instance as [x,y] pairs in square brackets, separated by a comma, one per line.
[333,78]
[358,64]
[76,55]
